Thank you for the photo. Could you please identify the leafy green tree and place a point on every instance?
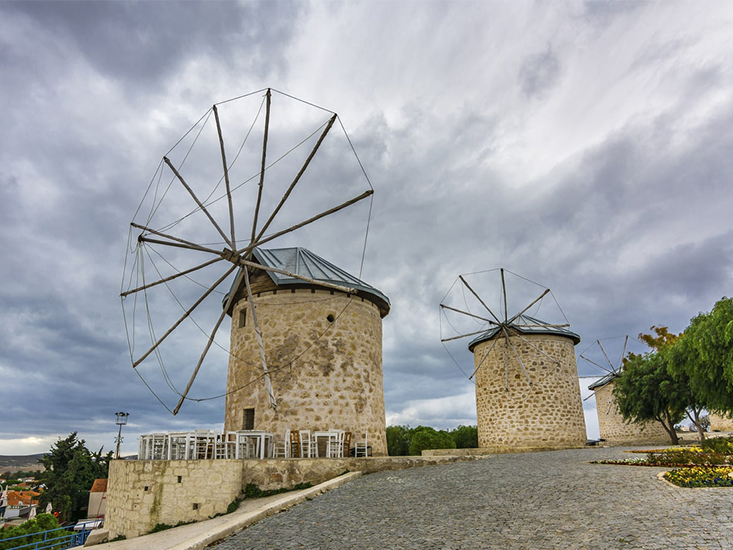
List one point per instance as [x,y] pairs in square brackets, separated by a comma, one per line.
[705,355]
[43,522]
[425,437]
[70,473]
[646,391]
[398,440]
[465,437]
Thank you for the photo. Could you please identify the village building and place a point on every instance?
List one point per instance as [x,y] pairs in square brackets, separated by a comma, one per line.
[97,499]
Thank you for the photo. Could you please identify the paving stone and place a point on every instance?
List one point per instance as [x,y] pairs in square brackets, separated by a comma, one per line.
[543,500]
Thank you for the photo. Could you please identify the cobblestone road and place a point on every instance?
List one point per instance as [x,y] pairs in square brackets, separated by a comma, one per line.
[523,501]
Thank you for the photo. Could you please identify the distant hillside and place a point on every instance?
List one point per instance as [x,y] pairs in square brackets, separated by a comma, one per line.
[10,463]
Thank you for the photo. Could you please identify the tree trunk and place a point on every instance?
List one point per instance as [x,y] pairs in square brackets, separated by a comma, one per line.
[696,421]
[666,421]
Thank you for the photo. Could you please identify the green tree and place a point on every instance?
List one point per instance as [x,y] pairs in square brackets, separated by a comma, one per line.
[425,437]
[646,391]
[70,473]
[705,355]
[398,440]
[465,437]
[43,522]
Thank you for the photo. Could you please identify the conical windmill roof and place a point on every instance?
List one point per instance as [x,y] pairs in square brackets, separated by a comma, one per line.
[524,324]
[610,377]
[303,262]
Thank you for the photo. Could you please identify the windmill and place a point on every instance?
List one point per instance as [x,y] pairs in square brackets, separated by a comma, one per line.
[612,427]
[527,392]
[256,170]
[612,370]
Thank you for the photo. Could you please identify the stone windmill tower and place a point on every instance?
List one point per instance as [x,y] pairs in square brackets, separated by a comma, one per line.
[527,390]
[323,348]
[305,346]
[611,425]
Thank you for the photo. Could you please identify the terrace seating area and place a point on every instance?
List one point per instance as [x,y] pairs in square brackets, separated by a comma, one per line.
[241,444]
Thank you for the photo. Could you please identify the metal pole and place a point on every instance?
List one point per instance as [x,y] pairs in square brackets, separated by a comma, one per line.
[119,438]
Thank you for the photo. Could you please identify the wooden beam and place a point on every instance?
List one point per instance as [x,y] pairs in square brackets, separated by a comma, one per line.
[462,336]
[184,316]
[179,274]
[208,344]
[317,217]
[529,306]
[262,168]
[297,177]
[226,177]
[188,244]
[479,298]
[196,199]
[469,314]
[260,345]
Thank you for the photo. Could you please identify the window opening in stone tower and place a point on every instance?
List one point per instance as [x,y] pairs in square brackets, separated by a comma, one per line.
[248,419]
[242,318]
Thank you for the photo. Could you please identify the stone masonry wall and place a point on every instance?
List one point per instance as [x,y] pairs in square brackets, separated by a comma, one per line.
[143,493]
[324,354]
[615,431]
[546,414]
[720,423]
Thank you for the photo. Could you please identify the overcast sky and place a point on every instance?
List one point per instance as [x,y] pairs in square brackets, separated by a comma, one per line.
[584,146]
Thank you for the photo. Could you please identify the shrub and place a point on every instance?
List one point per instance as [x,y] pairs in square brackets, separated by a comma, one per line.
[722,445]
[424,437]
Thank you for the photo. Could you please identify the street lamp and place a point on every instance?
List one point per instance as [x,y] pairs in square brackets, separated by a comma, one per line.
[120,420]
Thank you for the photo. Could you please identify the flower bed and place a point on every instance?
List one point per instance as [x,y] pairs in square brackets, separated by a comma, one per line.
[701,476]
[695,466]
[675,457]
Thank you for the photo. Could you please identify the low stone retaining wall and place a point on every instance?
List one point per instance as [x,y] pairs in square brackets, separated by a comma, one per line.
[485,451]
[143,493]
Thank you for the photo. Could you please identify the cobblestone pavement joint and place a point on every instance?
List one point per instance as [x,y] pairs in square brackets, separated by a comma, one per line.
[544,500]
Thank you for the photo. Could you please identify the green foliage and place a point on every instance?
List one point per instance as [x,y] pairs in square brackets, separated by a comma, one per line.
[642,393]
[465,437]
[705,355]
[165,526]
[70,473]
[425,437]
[42,522]
[398,440]
[647,391]
[722,445]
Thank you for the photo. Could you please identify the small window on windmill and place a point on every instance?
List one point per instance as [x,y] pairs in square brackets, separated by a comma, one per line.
[242,318]
[330,318]
[248,419]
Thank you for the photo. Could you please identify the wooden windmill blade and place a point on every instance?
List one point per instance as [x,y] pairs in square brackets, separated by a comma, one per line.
[237,256]
[509,329]
[612,369]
